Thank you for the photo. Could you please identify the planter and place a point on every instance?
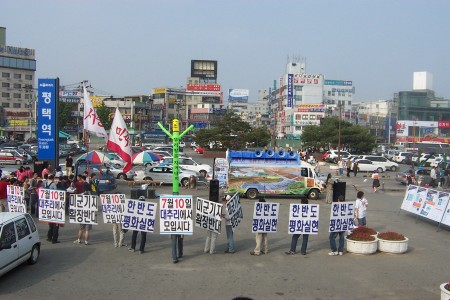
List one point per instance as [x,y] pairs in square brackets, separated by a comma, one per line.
[393,246]
[445,294]
[360,247]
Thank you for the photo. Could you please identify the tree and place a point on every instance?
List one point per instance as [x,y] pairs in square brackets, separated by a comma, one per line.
[103,114]
[64,112]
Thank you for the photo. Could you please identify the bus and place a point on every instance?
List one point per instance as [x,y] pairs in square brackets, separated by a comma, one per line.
[427,147]
[153,138]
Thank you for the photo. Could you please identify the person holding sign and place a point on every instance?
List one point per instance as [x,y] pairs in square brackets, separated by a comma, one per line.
[334,250]
[295,237]
[360,208]
[134,237]
[228,227]
[177,244]
[262,244]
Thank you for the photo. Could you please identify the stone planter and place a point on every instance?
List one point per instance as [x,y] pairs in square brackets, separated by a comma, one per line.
[393,246]
[445,294]
[360,247]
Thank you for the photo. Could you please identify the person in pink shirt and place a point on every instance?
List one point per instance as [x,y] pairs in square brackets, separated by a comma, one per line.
[46,171]
[21,174]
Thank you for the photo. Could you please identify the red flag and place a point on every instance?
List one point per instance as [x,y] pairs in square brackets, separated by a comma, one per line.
[91,121]
[119,140]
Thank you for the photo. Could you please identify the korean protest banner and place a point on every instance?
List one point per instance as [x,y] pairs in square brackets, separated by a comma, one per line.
[83,209]
[208,215]
[235,211]
[175,214]
[342,216]
[446,217]
[221,171]
[265,217]
[408,200]
[113,206]
[52,204]
[303,219]
[16,199]
[139,215]
[434,205]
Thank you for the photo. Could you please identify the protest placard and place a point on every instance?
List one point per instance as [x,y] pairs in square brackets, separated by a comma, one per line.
[303,219]
[113,206]
[408,200]
[175,214]
[16,199]
[139,215]
[83,209]
[235,211]
[208,215]
[52,205]
[265,217]
[221,171]
[342,216]
[433,207]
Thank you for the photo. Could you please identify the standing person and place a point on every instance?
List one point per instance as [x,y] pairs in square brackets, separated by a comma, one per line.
[33,193]
[135,234]
[210,244]
[177,244]
[447,177]
[295,237]
[69,165]
[348,164]
[375,182]
[118,234]
[46,170]
[93,183]
[58,172]
[3,194]
[340,166]
[262,244]
[355,167]
[228,227]
[442,177]
[53,228]
[83,228]
[433,175]
[340,249]
[361,208]
[79,184]
[85,186]
[329,187]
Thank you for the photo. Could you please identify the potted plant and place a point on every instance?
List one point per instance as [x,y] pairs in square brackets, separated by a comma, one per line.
[445,291]
[361,243]
[364,229]
[392,242]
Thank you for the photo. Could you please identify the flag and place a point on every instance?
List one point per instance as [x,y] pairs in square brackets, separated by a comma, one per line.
[91,121]
[119,140]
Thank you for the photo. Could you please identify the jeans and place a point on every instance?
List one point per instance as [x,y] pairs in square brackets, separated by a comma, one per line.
[177,242]
[333,236]
[304,243]
[362,221]
[230,241]
[210,245]
[143,240]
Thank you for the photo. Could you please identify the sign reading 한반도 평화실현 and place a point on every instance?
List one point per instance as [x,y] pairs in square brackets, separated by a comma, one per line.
[47,118]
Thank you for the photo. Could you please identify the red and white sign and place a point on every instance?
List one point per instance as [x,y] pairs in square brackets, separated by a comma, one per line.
[119,140]
[203,87]
[443,124]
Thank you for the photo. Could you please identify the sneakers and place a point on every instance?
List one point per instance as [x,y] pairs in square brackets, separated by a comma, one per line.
[333,253]
[254,253]
[131,249]
[77,242]
[86,243]
[141,252]
[341,253]
[290,252]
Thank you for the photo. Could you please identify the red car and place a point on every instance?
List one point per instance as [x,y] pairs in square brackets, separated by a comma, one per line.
[199,150]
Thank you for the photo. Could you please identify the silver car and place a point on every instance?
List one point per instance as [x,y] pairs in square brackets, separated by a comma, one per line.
[165,174]
[118,171]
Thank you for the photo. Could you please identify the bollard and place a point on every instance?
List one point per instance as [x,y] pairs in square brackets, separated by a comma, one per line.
[382,185]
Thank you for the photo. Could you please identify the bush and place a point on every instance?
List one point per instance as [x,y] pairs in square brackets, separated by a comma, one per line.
[391,236]
[361,237]
[364,229]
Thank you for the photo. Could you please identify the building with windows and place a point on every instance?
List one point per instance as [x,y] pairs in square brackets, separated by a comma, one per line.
[17,97]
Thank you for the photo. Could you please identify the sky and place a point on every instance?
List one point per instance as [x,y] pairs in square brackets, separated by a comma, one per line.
[129,47]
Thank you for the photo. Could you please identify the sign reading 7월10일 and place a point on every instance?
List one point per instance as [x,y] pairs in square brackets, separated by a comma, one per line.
[46,118]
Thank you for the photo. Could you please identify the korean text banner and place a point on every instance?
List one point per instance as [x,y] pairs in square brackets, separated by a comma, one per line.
[139,215]
[46,118]
[235,211]
[342,216]
[303,219]
[265,217]
[52,205]
[208,215]
[83,209]
[15,198]
[113,206]
[175,214]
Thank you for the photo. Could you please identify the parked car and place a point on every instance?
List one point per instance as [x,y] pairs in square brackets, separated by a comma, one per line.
[165,174]
[421,176]
[332,155]
[390,154]
[190,164]
[10,157]
[381,161]
[365,165]
[107,181]
[19,240]
[403,157]
[118,171]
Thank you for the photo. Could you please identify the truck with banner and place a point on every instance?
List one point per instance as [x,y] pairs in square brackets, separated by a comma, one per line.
[254,173]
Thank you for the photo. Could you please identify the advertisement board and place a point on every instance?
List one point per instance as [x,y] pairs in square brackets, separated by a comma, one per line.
[47,131]
[240,95]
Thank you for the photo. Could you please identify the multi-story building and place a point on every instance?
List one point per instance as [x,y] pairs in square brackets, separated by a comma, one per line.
[17,97]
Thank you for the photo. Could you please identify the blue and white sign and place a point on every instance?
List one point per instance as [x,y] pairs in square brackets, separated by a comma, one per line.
[239,95]
[265,217]
[290,99]
[303,219]
[46,118]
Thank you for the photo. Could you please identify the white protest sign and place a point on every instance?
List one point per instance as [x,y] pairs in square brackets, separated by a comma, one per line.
[139,215]
[265,217]
[208,215]
[15,198]
[83,209]
[113,206]
[446,217]
[175,214]
[342,216]
[434,205]
[52,205]
[303,219]
[235,211]
[221,171]
[408,200]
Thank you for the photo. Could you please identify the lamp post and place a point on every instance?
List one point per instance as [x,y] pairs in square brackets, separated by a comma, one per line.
[339,131]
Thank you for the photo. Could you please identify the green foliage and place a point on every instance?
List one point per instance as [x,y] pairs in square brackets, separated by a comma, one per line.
[103,113]
[64,111]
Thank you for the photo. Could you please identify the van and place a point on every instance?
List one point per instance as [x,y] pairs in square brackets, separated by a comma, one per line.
[19,240]
[10,157]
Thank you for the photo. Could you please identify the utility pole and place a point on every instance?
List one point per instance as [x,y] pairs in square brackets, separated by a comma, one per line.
[339,134]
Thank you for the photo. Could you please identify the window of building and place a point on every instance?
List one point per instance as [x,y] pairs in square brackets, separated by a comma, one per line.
[5,104]
[5,95]
[305,117]
[329,93]
[28,96]
[5,75]
[17,96]
[333,94]
[17,85]
[5,84]
[312,117]
[17,76]
[17,105]
[29,77]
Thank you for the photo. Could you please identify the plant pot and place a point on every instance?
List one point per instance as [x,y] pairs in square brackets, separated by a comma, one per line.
[445,294]
[360,247]
[393,246]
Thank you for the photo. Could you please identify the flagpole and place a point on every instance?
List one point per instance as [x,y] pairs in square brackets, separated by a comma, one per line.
[86,144]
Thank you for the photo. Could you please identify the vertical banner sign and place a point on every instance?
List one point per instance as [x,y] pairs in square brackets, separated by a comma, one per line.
[113,206]
[341,216]
[235,211]
[408,200]
[221,171]
[175,214]
[290,96]
[209,215]
[15,198]
[265,217]
[47,119]
[83,209]
[139,215]
[303,219]
[52,205]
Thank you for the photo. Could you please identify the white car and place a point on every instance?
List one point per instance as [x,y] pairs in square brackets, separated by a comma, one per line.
[381,161]
[165,174]
[332,155]
[189,164]
[365,165]
[19,240]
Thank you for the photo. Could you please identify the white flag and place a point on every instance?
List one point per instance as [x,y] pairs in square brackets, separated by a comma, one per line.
[119,140]
[91,122]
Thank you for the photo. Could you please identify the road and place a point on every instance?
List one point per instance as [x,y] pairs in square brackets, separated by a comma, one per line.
[100,271]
